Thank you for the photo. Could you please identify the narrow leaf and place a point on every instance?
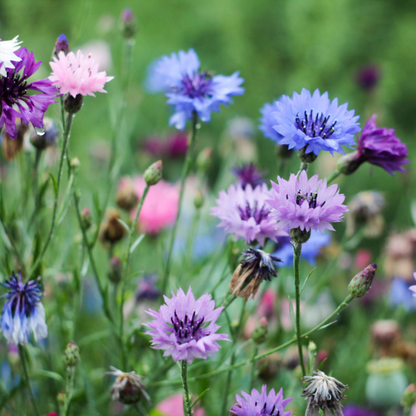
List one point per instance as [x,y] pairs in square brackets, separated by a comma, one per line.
[48,374]
[307,278]
[322,363]
[327,325]
[55,185]
[199,398]
[124,225]
[292,313]
[136,243]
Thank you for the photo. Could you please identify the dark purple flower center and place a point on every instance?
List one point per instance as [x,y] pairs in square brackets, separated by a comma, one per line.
[274,411]
[311,198]
[248,175]
[198,86]
[22,298]
[12,89]
[253,212]
[315,125]
[187,329]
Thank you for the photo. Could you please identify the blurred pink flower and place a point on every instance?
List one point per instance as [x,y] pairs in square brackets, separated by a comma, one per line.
[173,406]
[362,258]
[160,207]
[101,52]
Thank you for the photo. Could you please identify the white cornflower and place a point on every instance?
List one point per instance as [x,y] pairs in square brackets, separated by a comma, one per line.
[323,393]
[7,54]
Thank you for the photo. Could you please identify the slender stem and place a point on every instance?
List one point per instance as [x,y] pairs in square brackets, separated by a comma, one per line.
[27,378]
[253,367]
[228,301]
[304,166]
[127,265]
[191,237]
[67,133]
[340,308]
[35,173]
[333,176]
[69,388]
[185,171]
[186,400]
[297,248]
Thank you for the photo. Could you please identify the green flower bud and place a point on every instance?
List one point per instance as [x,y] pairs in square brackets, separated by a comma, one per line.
[260,331]
[153,174]
[306,157]
[86,218]
[300,236]
[71,354]
[361,282]
[75,163]
[409,396]
[116,270]
[349,163]
[129,24]
[61,398]
[199,200]
[204,160]
[73,105]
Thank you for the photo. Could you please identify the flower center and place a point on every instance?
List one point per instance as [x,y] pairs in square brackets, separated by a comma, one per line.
[12,88]
[198,86]
[23,299]
[311,198]
[186,329]
[253,212]
[315,126]
[265,412]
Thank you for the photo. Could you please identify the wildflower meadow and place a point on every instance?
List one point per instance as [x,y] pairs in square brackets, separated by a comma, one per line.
[207,208]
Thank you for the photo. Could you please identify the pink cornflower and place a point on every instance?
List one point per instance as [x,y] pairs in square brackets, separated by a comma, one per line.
[160,207]
[77,74]
[307,204]
[173,406]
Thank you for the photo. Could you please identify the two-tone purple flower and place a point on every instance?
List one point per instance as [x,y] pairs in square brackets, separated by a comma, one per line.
[307,204]
[185,327]
[245,213]
[23,312]
[310,122]
[17,94]
[259,404]
[188,89]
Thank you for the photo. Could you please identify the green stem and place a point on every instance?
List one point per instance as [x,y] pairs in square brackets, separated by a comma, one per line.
[304,166]
[194,228]
[340,308]
[186,400]
[297,248]
[127,266]
[69,388]
[185,171]
[253,368]
[228,301]
[333,176]
[67,134]
[27,378]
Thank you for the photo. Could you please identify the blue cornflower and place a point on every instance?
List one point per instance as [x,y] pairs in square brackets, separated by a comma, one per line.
[310,250]
[23,311]
[190,90]
[314,123]
[267,122]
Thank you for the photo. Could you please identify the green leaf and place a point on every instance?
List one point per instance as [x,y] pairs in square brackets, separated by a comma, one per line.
[307,278]
[48,374]
[322,363]
[136,243]
[199,398]
[292,314]
[124,225]
[327,325]
[55,185]
[94,337]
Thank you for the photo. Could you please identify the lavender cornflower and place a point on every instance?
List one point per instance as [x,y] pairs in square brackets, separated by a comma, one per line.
[245,214]
[267,122]
[314,123]
[259,404]
[189,90]
[248,175]
[378,146]
[15,100]
[305,204]
[146,288]
[180,327]
[23,311]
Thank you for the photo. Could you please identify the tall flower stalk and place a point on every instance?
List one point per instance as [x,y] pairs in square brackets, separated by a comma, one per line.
[22,354]
[186,399]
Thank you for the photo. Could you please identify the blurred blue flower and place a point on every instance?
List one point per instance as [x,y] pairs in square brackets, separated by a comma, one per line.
[310,250]
[314,123]
[248,174]
[400,295]
[267,121]
[189,90]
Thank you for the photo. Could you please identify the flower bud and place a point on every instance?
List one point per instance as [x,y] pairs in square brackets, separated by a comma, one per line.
[386,382]
[73,105]
[61,398]
[86,218]
[128,23]
[153,174]
[349,163]
[306,157]
[300,236]
[75,163]
[204,160]
[71,354]
[126,198]
[41,139]
[260,331]
[116,270]
[199,200]
[61,45]
[361,282]
[409,396]
[112,230]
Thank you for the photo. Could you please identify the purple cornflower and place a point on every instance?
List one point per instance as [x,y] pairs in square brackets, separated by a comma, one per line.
[378,146]
[185,328]
[368,77]
[23,311]
[267,121]
[147,289]
[15,100]
[245,214]
[353,410]
[248,175]
[259,404]
[314,123]
[307,204]
[189,90]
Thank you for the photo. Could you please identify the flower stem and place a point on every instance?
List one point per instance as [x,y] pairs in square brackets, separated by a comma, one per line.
[127,265]
[333,176]
[185,172]
[69,388]
[22,354]
[67,134]
[297,248]
[304,166]
[186,400]
[253,368]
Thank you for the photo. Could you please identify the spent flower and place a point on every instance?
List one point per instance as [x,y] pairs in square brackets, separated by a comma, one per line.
[23,312]
[185,327]
[189,90]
